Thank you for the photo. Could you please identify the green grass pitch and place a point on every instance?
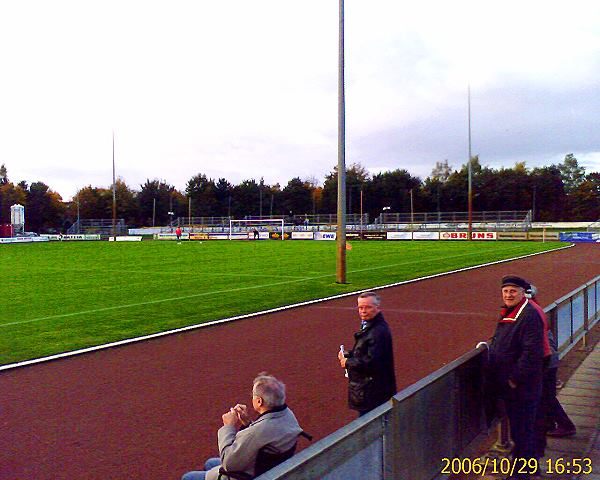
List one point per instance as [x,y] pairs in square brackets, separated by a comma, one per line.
[60,297]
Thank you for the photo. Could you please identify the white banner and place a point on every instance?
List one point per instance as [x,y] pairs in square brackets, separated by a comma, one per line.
[465,235]
[130,238]
[426,236]
[399,235]
[225,236]
[325,236]
[302,235]
[16,240]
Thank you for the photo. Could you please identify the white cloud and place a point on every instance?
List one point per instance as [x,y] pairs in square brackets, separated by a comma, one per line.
[249,89]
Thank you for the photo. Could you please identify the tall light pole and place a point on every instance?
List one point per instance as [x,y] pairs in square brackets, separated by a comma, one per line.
[412,211]
[469,169]
[341,167]
[114,192]
[153,211]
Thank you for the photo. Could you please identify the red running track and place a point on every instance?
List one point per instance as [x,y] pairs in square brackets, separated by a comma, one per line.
[151,410]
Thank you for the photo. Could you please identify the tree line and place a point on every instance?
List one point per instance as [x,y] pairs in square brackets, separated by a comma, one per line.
[562,192]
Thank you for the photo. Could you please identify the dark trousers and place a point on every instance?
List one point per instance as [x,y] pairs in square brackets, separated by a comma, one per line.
[521,414]
[542,420]
[557,417]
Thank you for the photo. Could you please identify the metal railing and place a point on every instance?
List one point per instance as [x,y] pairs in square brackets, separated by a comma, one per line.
[574,315]
[438,417]
[485,220]
[102,226]
[594,227]
[204,221]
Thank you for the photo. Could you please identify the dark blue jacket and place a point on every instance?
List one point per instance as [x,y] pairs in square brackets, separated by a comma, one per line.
[516,353]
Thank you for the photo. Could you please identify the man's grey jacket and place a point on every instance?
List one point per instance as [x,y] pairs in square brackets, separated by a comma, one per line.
[277,428]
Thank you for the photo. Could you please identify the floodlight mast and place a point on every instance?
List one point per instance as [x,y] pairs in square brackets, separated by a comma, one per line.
[114,192]
[341,168]
[470,173]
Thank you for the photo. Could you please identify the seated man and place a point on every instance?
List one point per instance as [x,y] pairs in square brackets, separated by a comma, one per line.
[276,430]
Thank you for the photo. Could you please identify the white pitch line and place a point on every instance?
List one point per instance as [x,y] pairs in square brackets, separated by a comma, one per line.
[264,312]
[217,292]
[175,273]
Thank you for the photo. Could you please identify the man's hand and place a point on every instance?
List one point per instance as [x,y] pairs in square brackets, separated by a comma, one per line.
[242,413]
[231,418]
[512,384]
[342,359]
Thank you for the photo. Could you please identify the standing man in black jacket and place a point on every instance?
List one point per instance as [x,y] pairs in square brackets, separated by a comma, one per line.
[370,364]
[515,368]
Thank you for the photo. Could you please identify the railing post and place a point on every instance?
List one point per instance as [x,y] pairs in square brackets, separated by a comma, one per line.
[503,445]
[585,318]
[391,445]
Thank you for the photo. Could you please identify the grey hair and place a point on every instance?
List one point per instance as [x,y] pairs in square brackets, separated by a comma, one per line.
[376,298]
[271,390]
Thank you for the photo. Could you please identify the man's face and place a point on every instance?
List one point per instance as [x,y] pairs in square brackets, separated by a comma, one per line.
[512,295]
[367,308]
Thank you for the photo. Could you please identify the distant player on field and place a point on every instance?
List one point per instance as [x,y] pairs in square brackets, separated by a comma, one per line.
[178,233]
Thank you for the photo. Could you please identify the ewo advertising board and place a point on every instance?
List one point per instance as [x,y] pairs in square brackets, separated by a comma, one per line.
[325,236]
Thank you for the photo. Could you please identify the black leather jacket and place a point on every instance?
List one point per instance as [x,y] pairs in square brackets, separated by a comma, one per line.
[370,365]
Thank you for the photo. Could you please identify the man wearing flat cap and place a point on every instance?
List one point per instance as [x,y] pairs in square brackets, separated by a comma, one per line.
[515,365]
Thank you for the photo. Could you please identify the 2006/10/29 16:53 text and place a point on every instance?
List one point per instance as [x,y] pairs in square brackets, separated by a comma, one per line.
[506,466]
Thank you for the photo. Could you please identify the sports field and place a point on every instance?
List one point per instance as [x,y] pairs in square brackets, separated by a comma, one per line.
[59,297]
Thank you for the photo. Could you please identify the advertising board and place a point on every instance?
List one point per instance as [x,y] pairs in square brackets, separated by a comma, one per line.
[16,240]
[399,235]
[465,235]
[325,236]
[277,236]
[426,235]
[225,236]
[579,237]
[374,235]
[302,235]
[198,236]
[128,238]
[170,236]
[67,238]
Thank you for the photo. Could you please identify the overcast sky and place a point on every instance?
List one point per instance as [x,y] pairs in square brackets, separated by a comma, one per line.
[248,89]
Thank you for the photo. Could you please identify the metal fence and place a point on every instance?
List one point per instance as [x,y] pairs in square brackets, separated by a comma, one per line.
[438,417]
[101,226]
[575,314]
[484,220]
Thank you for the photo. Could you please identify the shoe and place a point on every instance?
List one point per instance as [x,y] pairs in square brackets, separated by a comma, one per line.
[562,432]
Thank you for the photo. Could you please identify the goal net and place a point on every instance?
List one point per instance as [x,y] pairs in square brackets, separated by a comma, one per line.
[255,229]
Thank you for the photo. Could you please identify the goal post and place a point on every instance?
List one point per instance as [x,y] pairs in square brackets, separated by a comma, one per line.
[276,224]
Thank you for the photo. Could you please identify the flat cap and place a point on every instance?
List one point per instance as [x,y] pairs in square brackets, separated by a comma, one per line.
[515,281]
